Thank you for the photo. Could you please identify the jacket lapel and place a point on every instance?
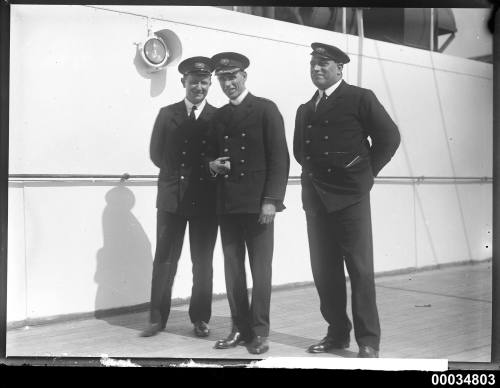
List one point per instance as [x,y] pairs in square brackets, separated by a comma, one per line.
[207,112]
[334,97]
[242,111]
[180,114]
[310,106]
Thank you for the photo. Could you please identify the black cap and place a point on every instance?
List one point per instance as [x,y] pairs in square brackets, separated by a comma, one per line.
[196,65]
[229,62]
[329,52]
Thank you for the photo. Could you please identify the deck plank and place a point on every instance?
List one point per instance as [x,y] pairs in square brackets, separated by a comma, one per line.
[441,313]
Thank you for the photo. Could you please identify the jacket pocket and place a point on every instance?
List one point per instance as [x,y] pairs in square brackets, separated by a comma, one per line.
[355,161]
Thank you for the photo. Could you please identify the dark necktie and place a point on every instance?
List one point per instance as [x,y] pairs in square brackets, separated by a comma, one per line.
[192,115]
[321,102]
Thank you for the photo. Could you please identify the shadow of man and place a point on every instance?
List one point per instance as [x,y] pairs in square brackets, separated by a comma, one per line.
[124,263]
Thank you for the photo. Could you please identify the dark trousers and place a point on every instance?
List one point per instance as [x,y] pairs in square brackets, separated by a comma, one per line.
[170,237]
[238,230]
[335,238]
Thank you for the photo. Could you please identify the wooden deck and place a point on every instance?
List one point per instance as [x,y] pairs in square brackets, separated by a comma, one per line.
[441,313]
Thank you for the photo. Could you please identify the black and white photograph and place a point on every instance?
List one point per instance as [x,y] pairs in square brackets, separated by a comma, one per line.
[305,186]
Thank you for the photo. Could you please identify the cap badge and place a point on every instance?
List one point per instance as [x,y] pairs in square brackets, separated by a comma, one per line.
[224,61]
[199,65]
[320,50]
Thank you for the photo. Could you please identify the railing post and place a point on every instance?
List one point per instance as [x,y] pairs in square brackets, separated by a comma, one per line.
[344,20]
[495,319]
[4,166]
[361,33]
[431,46]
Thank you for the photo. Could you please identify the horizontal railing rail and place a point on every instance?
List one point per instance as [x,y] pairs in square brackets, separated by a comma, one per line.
[292,179]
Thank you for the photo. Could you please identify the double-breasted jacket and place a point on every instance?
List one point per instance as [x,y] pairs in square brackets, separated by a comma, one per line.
[252,134]
[179,148]
[342,147]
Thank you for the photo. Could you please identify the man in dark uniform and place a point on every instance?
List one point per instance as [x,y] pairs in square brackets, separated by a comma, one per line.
[338,166]
[186,193]
[252,168]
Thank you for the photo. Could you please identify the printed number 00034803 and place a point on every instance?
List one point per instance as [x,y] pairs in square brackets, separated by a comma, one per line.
[463,379]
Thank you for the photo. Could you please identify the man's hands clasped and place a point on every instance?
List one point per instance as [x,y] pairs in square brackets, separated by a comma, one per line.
[221,165]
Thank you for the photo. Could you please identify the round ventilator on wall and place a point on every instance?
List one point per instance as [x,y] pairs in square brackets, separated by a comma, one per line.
[154,52]
[159,49]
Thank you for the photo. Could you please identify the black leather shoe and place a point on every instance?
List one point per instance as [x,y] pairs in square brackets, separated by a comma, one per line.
[232,340]
[258,345]
[327,344]
[201,329]
[367,352]
[152,329]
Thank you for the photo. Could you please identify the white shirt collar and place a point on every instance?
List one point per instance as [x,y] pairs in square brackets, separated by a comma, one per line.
[240,98]
[329,90]
[199,106]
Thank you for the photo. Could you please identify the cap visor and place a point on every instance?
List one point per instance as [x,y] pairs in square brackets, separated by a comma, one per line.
[227,71]
[315,54]
[200,72]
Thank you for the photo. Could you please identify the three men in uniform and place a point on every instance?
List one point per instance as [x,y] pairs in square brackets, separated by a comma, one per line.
[238,169]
